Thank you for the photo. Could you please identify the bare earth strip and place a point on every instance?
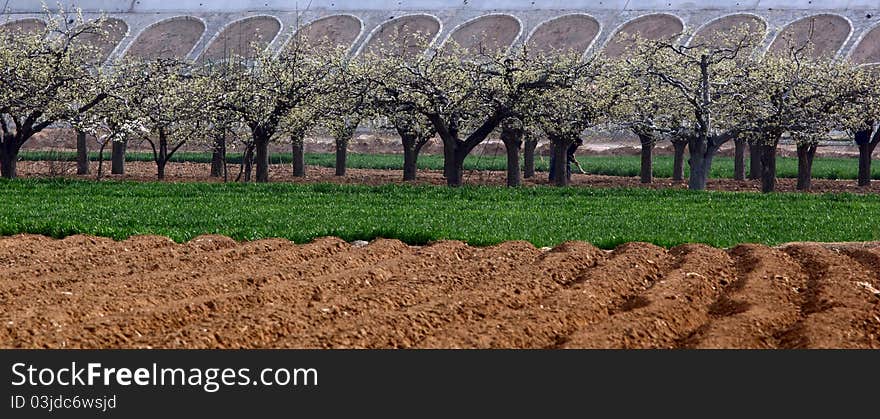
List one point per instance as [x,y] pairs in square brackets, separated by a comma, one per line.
[199,172]
[149,292]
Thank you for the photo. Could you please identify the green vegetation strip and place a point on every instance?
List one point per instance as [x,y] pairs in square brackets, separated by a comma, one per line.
[823,168]
[544,216]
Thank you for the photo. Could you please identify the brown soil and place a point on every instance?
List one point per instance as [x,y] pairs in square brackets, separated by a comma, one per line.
[199,172]
[148,292]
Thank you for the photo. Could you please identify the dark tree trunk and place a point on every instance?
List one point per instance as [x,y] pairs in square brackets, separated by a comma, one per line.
[343,136]
[560,162]
[117,158]
[513,173]
[755,168]
[678,148]
[805,166]
[82,154]
[160,169]
[448,161]
[647,166]
[529,158]
[739,160]
[768,168]
[299,159]
[455,152]
[865,152]
[700,158]
[511,136]
[455,168]
[8,158]
[262,160]
[410,156]
[161,159]
[341,156]
[218,156]
[699,174]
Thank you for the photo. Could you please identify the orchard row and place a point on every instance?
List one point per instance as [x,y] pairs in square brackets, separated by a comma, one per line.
[698,97]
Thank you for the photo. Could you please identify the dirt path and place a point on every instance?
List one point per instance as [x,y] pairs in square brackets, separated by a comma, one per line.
[148,292]
[198,172]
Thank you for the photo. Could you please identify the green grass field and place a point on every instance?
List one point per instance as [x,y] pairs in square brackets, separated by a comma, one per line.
[545,216]
[823,168]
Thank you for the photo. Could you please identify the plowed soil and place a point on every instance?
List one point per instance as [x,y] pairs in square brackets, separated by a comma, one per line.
[199,172]
[149,292]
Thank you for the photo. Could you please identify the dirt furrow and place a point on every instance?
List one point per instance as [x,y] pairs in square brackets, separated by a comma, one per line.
[673,309]
[870,260]
[215,293]
[762,302]
[122,298]
[33,257]
[357,316]
[500,279]
[303,310]
[186,323]
[595,291]
[166,279]
[840,309]
[109,261]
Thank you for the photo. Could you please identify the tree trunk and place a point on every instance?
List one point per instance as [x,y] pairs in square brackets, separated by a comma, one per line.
[755,161]
[647,166]
[410,157]
[701,155]
[341,156]
[117,157]
[218,156]
[865,151]
[678,161]
[805,166]
[455,168]
[100,161]
[513,173]
[739,160]
[454,152]
[699,174]
[247,162]
[82,154]
[768,168]
[448,160]
[511,136]
[560,163]
[299,159]
[8,158]
[161,158]
[262,160]
[529,158]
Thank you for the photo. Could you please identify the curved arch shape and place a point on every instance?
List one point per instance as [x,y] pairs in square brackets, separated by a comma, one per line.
[174,37]
[31,25]
[406,28]
[238,36]
[829,34]
[713,31]
[651,26]
[329,32]
[868,48]
[489,33]
[116,30]
[574,32]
